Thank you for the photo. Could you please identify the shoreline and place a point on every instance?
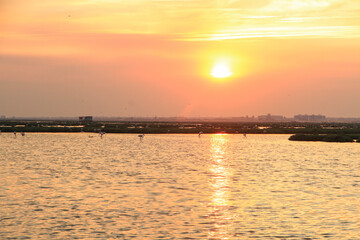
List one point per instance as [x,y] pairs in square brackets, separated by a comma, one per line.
[181,127]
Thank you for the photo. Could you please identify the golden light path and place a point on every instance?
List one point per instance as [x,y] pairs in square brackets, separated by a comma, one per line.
[220,184]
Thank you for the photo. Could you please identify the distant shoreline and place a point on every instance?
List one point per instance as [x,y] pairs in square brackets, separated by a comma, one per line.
[180,127]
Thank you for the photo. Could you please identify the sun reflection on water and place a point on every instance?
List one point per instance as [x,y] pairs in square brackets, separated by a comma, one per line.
[220,183]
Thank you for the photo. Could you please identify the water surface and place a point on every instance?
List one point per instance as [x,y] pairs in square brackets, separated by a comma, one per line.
[72,186]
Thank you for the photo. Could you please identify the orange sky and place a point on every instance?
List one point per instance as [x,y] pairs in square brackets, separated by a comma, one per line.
[155,57]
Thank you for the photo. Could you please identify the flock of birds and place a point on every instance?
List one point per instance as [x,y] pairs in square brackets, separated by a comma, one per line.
[21,133]
[141,136]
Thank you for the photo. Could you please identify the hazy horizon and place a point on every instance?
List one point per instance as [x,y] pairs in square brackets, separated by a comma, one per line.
[179,58]
[170,117]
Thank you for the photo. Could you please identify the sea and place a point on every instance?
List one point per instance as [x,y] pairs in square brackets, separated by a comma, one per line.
[177,186]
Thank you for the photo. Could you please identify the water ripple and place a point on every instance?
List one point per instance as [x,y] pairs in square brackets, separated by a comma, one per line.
[70,186]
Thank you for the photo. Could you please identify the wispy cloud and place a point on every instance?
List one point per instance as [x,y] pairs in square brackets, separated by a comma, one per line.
[279,32]
[186,19]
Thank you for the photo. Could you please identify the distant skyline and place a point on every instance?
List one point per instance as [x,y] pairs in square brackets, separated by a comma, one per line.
[277,117]
[179,58]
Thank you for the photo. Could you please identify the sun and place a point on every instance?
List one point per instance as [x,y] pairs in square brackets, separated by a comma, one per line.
[221,70]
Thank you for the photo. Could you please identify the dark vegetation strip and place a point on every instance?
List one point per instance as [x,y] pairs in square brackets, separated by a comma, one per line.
[326,137]
[309,131]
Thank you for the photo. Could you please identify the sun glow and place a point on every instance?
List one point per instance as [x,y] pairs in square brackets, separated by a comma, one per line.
[221,70]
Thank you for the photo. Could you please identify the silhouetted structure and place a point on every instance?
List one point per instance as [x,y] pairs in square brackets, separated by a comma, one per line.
[86,118]
[310,118]
[271,118]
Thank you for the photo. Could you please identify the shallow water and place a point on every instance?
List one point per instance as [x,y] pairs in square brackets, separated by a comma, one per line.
[72,186]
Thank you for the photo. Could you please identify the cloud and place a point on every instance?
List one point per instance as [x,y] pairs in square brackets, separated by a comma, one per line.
[182,18]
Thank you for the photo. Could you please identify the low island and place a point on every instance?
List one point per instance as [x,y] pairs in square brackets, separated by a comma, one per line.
[302,131]
[326,137]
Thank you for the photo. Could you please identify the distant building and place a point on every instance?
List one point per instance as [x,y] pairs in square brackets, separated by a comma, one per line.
[310,118]
[243,119]
[86,118]
[2,117]
[271,118]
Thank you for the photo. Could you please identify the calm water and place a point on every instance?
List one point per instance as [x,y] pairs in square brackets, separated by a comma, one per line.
[71,186]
